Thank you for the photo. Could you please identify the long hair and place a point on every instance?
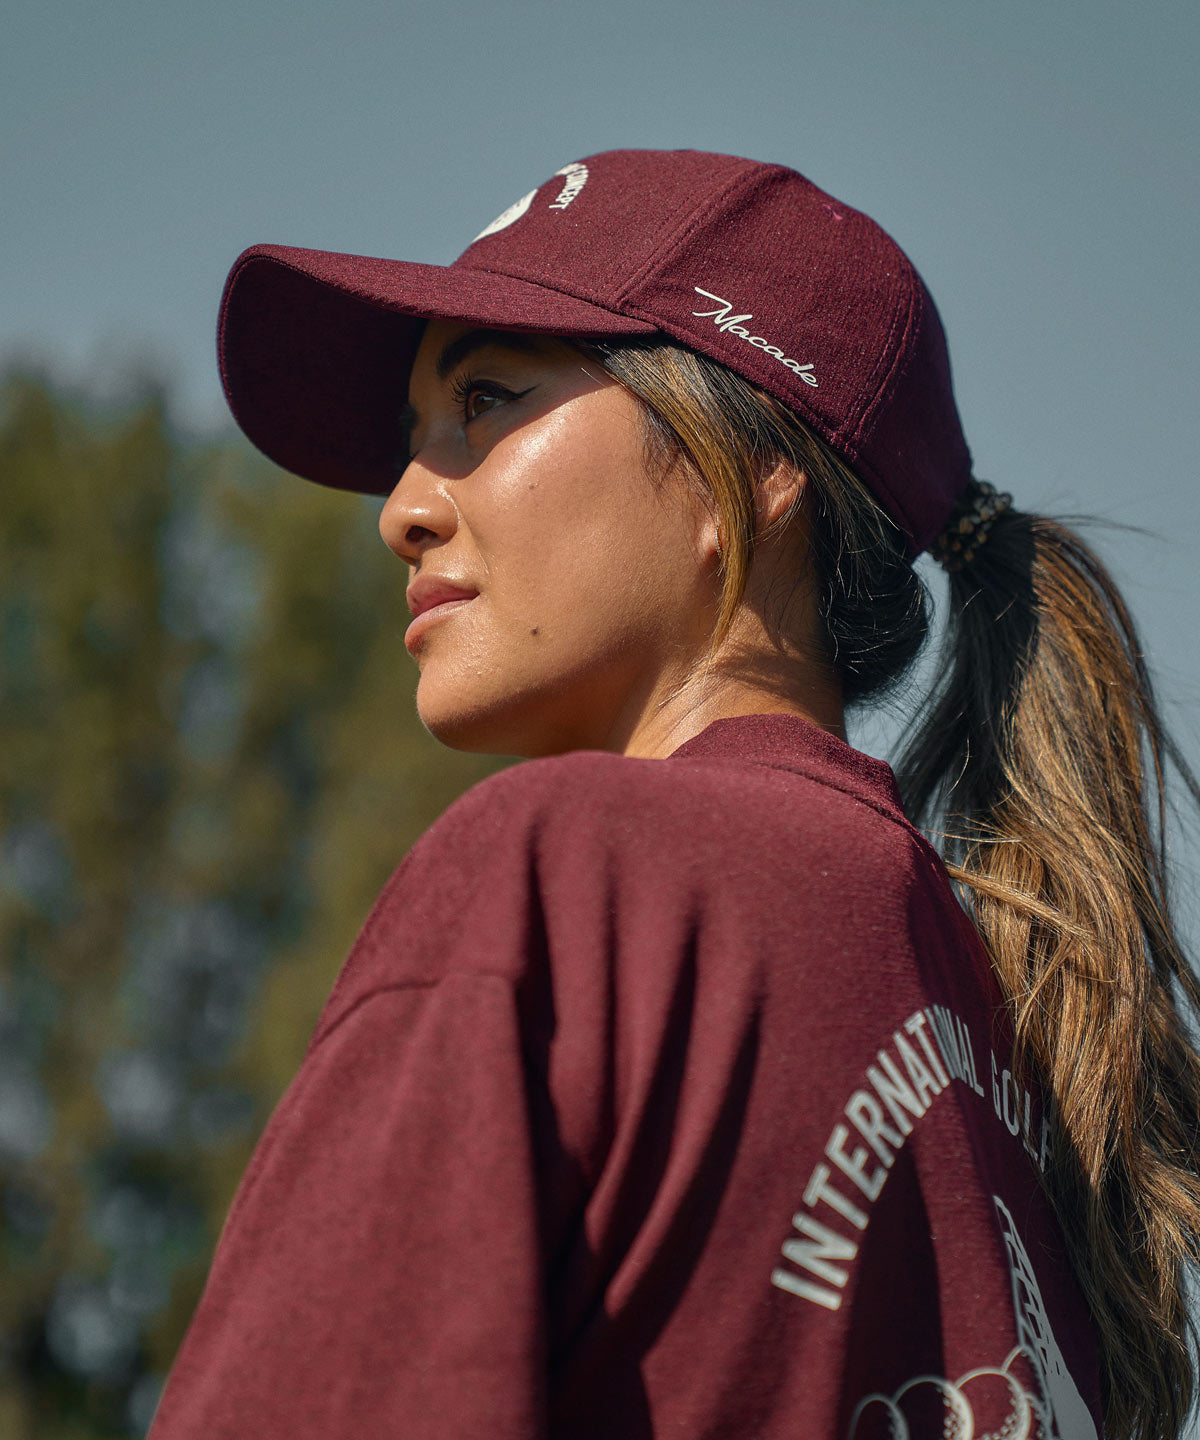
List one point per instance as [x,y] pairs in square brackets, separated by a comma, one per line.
[1039,762]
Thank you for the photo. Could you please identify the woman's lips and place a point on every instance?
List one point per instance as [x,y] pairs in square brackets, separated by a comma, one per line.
[430,617]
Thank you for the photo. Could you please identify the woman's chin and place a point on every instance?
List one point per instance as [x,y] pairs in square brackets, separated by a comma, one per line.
[507,724]
[463,723]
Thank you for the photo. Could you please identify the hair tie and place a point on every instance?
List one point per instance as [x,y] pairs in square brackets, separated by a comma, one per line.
[972,517]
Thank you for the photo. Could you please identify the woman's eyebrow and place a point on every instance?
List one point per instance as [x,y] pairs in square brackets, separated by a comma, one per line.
[458,349]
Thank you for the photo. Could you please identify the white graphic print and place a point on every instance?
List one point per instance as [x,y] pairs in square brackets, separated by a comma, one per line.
[956,1409]
[724,320]
[577,177]
[912,1413]
[1071,1417]
[508,217]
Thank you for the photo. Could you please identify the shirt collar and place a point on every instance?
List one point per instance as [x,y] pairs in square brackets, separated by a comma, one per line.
[789,742]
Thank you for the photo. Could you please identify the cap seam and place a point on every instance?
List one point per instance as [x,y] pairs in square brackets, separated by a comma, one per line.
[892,361]
[295,269]
[869,473]
[688,225]
[378,304]
[853,439]
[527,278]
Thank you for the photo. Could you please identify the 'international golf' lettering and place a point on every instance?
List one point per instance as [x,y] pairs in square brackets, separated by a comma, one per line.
[933,1047]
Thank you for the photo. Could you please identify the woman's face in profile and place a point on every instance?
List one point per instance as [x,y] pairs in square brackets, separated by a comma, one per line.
[576,590]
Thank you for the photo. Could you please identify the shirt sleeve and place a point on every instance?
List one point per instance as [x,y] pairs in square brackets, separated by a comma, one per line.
[380,1273]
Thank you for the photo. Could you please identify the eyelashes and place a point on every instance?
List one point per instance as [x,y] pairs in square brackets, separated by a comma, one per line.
[465,387]
[467,384]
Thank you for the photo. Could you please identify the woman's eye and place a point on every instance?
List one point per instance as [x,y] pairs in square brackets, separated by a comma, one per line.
[480,400]
[480,397]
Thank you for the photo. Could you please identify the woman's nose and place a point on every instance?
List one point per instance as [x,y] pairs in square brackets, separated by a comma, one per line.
[417,515]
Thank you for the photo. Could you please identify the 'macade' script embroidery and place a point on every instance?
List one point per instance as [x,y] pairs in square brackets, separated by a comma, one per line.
[724,320]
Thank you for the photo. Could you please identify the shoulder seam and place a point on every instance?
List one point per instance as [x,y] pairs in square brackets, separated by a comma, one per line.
[322,1033]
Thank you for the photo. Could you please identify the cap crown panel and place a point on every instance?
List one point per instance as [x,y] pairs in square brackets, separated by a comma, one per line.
[778,261]
[615,225]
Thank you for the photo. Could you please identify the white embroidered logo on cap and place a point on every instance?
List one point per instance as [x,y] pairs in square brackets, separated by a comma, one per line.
[508,217]
[723,320]
[577,177]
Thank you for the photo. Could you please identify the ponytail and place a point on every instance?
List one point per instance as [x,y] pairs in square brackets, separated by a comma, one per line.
[1042,760]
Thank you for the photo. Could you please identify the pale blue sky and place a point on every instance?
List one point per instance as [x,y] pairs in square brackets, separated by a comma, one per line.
[1037,160]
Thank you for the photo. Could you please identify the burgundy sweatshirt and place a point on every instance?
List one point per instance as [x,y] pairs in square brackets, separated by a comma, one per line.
[664,1098]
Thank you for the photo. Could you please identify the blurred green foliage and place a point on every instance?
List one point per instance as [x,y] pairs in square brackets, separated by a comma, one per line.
[209,763]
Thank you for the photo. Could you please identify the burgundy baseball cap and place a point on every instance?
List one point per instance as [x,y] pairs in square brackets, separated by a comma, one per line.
[750,264]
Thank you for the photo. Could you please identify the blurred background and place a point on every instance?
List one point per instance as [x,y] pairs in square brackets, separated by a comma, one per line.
[209,759]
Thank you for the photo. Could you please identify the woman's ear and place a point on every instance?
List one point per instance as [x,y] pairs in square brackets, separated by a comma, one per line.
[709,533]
[778,494]
[714,538]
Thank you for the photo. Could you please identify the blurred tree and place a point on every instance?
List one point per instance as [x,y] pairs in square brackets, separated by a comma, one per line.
[209,763]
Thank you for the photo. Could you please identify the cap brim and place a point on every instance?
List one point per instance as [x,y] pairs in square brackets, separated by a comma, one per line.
[315,349]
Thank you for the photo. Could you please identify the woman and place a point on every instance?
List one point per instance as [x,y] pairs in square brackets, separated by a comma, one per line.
[668,1089]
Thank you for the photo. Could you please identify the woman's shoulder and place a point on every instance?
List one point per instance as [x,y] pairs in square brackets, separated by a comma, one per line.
[542,845]
[591,810]
[531,788]
[554,868]
[471,891]
[585,793]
